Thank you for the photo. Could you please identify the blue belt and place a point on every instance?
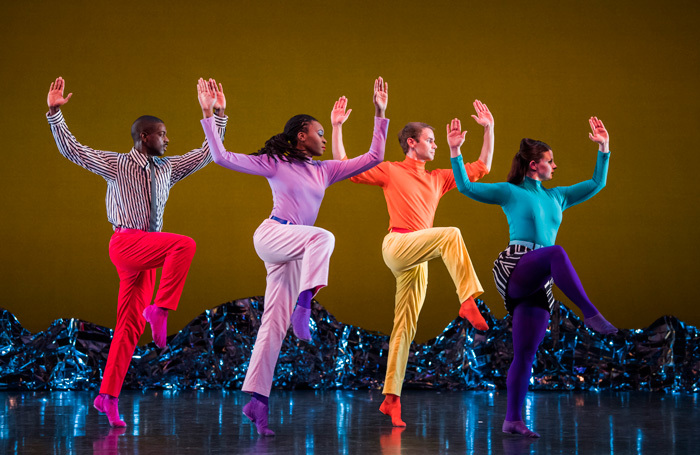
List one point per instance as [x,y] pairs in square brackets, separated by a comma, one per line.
[280,220]
[531,245]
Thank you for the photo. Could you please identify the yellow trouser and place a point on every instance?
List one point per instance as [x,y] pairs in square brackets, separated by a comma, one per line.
[407,256]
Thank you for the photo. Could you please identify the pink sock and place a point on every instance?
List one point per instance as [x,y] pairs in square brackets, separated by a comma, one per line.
[158,318]
[110,406]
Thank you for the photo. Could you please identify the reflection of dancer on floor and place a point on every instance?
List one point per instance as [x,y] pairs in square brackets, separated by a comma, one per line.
[412,195]
[138,184]
[525,270]
[296,254]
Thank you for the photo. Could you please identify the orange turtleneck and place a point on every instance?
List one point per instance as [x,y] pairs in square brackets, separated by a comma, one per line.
[412,193]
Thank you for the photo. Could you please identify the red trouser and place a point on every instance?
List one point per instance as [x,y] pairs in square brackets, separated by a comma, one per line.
[136,255]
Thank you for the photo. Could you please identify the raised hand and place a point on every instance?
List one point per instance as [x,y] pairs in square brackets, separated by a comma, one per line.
[220,104]
[483,116]
[381,97]
[207,95]
[599,134]
[338,114]
[455,136]
[55,97]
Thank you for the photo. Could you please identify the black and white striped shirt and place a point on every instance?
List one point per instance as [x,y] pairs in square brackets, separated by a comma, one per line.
[128,174]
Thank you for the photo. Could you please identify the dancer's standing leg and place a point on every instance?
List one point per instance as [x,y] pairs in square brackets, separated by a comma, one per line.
[411,286]
[280,294]
[296,257]
[529,327]
[407,255]
[136,255]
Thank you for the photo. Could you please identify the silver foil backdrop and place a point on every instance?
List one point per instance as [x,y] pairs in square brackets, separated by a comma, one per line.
[214,349]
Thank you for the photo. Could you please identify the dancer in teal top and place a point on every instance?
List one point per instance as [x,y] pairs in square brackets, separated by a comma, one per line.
[524,272]
[534,212]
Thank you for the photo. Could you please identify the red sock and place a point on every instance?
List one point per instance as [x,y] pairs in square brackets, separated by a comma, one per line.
[470,312]
[391,406]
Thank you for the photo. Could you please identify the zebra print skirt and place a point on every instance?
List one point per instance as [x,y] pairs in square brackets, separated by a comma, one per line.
[502,268]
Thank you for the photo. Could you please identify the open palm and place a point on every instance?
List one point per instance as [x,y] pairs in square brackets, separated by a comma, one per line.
[55,97]
[220,97]
[381,94]
[455,135]
[206,94]
[599,134]
[338,114]
[483,116]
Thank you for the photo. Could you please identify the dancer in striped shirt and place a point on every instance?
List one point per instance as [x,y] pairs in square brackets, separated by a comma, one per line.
[138,184]
[525,270]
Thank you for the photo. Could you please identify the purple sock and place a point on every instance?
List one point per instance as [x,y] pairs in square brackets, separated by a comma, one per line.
[256,410]
[305,297]
[529,327]
[302,315]
[261,398]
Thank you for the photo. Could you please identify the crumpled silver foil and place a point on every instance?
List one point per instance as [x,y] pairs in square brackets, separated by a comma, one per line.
[214,349]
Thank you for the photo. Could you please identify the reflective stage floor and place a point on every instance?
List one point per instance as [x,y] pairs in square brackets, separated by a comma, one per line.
[342,422]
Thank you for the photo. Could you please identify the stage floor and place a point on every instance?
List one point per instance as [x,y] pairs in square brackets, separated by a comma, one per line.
[345,422]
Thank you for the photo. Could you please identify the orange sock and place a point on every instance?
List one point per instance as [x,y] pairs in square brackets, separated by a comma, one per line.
[391,406]
[470,312]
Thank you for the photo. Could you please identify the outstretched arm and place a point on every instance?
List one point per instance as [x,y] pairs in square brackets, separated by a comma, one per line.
[489,193]
[575,194]
[55,97]
[100,162]
[338,117]
[484,118]
[211,96]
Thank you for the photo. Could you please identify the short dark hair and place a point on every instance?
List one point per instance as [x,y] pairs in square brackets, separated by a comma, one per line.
[530,150]
[412,130]
[143,124]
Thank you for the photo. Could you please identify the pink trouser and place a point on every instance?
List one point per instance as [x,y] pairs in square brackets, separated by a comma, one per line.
[136,255]
[296,259]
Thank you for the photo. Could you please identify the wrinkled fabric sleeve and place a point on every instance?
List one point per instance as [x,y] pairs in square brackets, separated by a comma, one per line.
[195,160]
[248,164]
[340,170]
[489,193]
[575,194]
[99,162]
[475,171]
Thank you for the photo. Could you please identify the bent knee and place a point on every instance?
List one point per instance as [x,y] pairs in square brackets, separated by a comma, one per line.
[558,251]
[325,239]
[453,232]
[187,243]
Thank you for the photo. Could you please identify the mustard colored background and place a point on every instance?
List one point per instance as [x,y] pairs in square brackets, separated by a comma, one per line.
[542,67]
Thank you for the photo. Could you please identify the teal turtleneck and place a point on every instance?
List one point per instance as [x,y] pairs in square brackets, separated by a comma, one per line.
[534,212]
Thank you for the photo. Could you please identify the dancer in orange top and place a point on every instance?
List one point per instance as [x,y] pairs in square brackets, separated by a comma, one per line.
[412,194]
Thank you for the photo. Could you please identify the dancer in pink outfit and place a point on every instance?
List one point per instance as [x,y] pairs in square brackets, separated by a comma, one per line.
[138,184]
[295,252]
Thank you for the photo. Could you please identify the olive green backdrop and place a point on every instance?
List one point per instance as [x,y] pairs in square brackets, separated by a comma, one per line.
[542,67]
